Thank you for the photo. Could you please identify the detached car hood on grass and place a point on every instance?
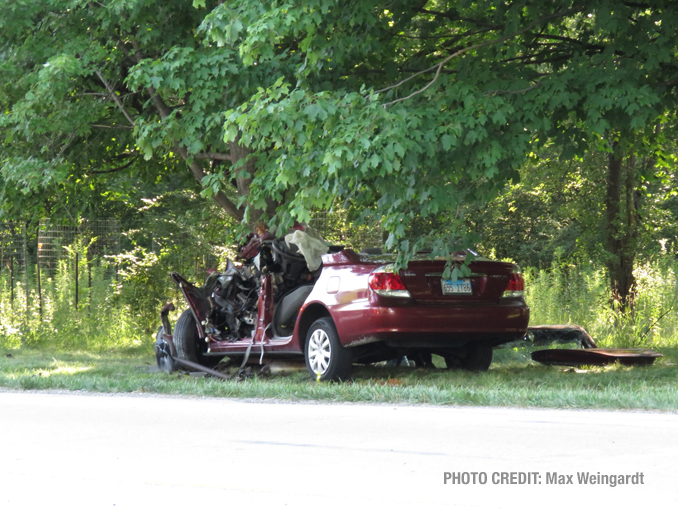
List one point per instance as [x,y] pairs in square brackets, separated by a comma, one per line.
[589,355]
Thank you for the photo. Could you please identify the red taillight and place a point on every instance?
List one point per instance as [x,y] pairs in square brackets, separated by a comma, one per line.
[387,283]
[516,284]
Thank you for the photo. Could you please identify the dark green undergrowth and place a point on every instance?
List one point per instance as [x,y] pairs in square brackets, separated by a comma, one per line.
[513,380]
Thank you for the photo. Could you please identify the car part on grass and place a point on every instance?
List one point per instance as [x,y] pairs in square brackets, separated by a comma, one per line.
[197,367]
[165,351]
[589,355]
[596,356]
[547,334]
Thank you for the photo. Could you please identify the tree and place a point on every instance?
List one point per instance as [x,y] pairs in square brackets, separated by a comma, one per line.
[463,93]
[557,213]
[74,113]
[403,110]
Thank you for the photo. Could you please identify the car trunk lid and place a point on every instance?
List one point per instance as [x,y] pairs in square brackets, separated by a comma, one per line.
[486,283]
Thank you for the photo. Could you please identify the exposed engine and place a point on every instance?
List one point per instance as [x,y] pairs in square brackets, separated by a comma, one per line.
[234,304]
[234,293]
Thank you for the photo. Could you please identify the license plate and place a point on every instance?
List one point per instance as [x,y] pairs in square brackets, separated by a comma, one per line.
[458,287]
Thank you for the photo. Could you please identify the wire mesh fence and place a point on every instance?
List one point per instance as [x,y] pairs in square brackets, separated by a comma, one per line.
[28,261]
[13,246]
[13,255]
[99,237]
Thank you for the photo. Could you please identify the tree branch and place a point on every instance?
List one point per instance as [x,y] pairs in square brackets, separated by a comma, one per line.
[459,18]
[508,92]
[569,39]
[214,155]
[113,170]
[115,97]
[439,66]
[111,126]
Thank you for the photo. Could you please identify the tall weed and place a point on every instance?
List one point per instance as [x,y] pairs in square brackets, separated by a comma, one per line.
[581,295]
[93,324]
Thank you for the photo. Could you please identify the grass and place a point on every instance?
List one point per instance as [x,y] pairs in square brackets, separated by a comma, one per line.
[513,380]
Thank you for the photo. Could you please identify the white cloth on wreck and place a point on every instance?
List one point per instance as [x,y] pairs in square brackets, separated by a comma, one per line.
[310,248]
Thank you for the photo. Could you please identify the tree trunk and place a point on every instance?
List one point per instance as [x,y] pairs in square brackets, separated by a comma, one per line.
[244,177]
[621,228]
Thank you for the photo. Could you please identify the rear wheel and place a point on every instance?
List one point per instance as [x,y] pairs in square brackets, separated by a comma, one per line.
[326,357]
[188,343]
[473,357]
[422,360]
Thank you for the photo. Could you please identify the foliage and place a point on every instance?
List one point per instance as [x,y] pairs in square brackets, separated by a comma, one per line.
[398,110]
[438,106]
[556,213]
[175,231]
[72,134]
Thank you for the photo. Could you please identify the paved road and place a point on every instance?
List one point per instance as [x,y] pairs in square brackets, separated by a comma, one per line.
[91,451]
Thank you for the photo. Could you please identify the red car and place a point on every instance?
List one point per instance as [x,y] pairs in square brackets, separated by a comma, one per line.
[353,308]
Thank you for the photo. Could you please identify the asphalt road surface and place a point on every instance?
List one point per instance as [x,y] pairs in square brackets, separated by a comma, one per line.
[91,451]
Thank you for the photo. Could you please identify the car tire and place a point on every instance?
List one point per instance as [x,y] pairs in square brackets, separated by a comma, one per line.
[474,357]
[325,356]
[188,344]
[422,360]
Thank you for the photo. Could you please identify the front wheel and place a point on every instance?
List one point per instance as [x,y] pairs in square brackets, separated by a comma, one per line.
[188,344]
[326,357]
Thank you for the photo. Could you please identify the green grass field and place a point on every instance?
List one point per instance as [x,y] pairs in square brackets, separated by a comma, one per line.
[513,380]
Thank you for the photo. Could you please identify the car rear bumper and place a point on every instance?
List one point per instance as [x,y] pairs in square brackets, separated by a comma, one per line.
[435,326]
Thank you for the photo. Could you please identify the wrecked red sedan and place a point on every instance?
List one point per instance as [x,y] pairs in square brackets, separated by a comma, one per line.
[287,299]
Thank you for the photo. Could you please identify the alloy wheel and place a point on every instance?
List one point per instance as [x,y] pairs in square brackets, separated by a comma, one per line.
[319,351]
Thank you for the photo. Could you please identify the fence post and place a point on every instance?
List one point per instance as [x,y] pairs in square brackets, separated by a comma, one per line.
[89,286]
[25,246]
[37,269]
[11,279]
[37,266]
[76,280]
